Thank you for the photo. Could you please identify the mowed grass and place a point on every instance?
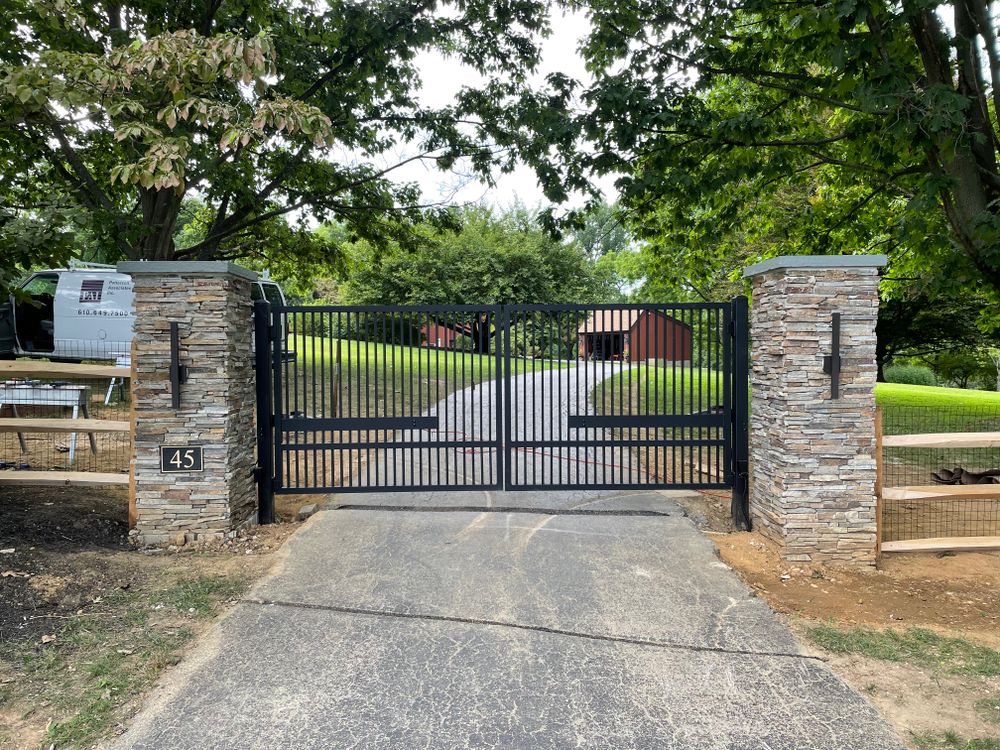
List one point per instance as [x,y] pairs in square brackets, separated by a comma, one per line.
[681,389]
[378,379]
[660,389]
[426,362]
[899,394]
[909,409]
[915,646]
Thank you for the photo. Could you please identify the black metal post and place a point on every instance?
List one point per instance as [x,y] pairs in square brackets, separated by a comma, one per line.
[506,469]
[265,411]
[835,357]
[177,370]
[741,412]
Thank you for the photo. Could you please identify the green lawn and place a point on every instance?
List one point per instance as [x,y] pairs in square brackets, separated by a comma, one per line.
[659,390]
[898,394]
[912,409]
[385,379]
[919,408]
[428,362]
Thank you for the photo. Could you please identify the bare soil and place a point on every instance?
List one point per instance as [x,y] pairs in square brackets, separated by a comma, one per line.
[87,623]
[919,702]
[951,593]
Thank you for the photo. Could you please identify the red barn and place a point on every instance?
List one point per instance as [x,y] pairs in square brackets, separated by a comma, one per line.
[634,335]
[438,336]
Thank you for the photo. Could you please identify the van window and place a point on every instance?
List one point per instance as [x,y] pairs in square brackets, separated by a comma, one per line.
[273,295]
[256,293]
[42,284]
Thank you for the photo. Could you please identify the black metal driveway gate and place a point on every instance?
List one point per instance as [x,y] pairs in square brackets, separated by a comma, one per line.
[518,397]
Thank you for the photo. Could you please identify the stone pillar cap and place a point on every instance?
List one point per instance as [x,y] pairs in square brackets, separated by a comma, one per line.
[815,261]
[184,267]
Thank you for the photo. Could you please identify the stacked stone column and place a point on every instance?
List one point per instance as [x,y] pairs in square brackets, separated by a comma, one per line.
[812,456]
[211,303]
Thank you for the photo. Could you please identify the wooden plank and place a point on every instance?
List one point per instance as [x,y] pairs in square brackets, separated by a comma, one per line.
[24,424]
[942,492]
[944,440]
[29,368]
[61,478]
[878,481]
[944,543]
[133,508]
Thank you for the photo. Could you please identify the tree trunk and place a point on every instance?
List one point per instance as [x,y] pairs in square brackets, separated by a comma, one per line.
[881,357]
[160,209]
[480,333]
[968,158]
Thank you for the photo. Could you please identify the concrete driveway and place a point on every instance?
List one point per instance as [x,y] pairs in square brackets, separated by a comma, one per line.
[398,628]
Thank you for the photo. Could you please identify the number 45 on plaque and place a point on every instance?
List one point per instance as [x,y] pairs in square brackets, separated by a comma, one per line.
[178,458]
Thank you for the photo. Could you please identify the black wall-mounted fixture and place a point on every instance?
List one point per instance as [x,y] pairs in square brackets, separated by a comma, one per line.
[831,362]
[178,372]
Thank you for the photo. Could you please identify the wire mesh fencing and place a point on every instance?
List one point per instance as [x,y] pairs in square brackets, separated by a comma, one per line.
[52,424]
[940,488]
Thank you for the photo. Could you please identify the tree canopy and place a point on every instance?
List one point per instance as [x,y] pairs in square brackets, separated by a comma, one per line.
[492,258]
[878,118]
[116,111]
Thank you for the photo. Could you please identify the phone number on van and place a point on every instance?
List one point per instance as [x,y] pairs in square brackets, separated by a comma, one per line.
[98,313]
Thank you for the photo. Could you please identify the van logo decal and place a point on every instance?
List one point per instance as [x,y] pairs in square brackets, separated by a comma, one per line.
[91,290]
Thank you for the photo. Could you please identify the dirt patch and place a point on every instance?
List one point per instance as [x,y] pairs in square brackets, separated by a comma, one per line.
[950,592]
[920,702]
[87,623]
[711,512]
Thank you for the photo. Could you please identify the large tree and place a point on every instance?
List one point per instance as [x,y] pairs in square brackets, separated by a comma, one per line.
[261,108]
[711,103]
[491,258]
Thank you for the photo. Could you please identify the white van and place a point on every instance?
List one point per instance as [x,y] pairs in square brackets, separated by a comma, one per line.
[81,312]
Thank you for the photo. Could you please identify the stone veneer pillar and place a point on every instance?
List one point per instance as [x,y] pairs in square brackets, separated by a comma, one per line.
[812,457]
[211,303]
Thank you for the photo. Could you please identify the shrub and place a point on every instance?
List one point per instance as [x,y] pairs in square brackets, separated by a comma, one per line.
[910,375]
[464,343]
[964,369]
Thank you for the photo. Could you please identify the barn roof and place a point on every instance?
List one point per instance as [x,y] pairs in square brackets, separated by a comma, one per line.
[620,321]
[613,321]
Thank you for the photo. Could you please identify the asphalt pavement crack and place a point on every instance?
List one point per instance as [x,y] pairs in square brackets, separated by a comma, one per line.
[365,612]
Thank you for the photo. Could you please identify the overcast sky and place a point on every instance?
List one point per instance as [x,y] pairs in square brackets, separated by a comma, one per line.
[442,80]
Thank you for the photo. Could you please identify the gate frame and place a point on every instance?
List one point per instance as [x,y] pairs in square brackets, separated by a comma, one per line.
[268,358]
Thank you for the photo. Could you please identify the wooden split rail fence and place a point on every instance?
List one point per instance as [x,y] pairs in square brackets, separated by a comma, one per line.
[35,370]
[927,495]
